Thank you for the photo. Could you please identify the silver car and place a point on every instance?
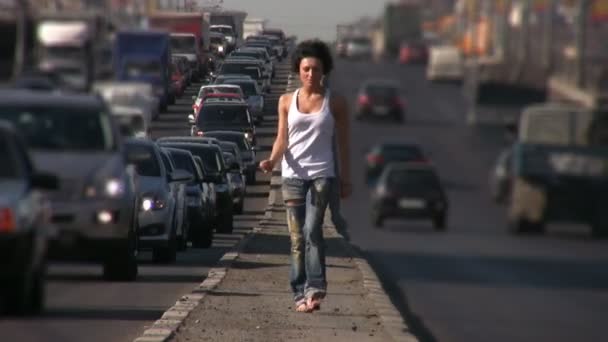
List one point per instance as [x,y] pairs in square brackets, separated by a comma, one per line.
[161,210]
[75,137]
[24,225]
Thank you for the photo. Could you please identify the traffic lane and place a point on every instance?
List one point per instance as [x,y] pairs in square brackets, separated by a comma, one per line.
[82,306]
[436,276]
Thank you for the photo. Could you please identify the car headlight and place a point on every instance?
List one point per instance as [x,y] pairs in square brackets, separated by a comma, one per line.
[112,188]
[150,203]
[248,136]
[220,48]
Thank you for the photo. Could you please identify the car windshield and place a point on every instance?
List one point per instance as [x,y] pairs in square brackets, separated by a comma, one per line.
[378,90]
[144,159]
[140,68]
[247,87]
[244,69]
[417,179]
[223,30]
[62,129]
[185,44]
[401,153]
[240,140]
[9,169]
[216,40]
[223,114]
[183,161]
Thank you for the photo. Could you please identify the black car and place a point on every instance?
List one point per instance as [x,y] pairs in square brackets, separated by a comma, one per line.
[380,99]
[225,115]
[385,153]
[24,226]
[409,190]
[201,232]
[247,151]
[216,169]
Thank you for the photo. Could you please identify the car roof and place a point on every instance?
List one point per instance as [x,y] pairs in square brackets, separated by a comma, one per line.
[173,144]
[186,138]
[229,95]
[177,150]
[30,98]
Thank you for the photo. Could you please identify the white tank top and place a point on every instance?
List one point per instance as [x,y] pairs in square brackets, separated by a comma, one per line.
[309,151]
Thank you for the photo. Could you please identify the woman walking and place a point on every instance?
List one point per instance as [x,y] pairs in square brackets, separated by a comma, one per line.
[308,120]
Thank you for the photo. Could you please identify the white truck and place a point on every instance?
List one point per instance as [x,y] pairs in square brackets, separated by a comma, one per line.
[253,27]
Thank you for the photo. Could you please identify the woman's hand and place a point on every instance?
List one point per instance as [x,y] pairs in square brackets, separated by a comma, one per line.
[266,165]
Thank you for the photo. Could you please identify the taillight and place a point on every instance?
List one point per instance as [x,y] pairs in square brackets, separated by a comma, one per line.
[7,220]
[199,133]
[364,100]
[375,159]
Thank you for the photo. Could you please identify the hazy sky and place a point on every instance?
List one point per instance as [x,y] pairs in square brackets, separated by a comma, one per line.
[309,18]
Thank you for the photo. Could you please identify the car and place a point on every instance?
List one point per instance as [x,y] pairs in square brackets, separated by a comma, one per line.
[212,89]
[179,81]
[261,54]
[216,169]
[446,63]
[218,44]
[384,153]
[413,52]
[161,207]
[131,122]
[358,48]
[243,67]
[380,99]
[236,174]
[25,223]
[95,207]
[225,115]
[409,190]
[501,176]
[212,211]
[197,192]
[248,152]
[253,96]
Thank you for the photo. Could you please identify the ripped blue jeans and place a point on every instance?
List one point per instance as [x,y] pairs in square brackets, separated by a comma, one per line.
[305,204]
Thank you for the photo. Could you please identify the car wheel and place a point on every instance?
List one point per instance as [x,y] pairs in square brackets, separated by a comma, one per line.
[439,222]
[202,236]
[121,265]
[19,296]
[226,222]
[238,208]
[522,225]
[166,254]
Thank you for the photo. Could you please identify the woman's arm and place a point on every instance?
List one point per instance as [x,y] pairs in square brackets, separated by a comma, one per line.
[280,142]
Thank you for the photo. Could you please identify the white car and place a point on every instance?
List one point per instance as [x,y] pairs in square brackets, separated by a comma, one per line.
[161,209]
[131,94]
[445,63]
[131,121]
[214,89]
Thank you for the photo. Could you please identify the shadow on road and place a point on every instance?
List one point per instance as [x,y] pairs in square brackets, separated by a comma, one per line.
[79,314]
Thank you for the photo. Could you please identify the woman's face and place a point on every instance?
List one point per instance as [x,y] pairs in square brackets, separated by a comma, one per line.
[311,71]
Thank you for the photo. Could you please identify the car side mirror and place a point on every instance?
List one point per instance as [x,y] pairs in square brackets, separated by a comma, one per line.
[180,176]
[191,119]
[44,181]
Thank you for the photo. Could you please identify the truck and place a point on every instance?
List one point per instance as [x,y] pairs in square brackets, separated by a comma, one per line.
[560,169]
[234,19]
[145,56]
[401,22]
[70,44]
[253,27]
[190,36]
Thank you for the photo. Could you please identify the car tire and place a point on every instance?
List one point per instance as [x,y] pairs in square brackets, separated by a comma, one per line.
[238,208]
[202,235]
[166,254]
[522,225]
[226,222]
[121,265]
[439,222]
[26,294]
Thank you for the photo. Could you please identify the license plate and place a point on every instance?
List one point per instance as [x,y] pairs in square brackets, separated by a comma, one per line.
[410,203]
[381,110]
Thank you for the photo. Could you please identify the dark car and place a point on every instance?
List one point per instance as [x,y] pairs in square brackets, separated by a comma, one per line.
[380,99]
[409,190]
[247,151]
[216,169]
[413,52]
[24,226]
[225,115]
[383,154]
[201,231]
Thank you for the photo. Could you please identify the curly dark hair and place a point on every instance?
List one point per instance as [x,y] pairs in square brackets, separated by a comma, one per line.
[316,49]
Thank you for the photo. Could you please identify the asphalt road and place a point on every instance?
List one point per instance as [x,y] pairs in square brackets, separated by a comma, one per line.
[81,306]
[475,282]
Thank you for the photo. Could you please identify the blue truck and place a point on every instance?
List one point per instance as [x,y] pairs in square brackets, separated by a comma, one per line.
[145,56]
